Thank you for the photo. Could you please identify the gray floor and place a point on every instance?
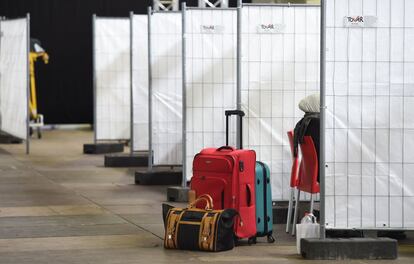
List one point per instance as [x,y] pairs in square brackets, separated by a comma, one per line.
[59,206]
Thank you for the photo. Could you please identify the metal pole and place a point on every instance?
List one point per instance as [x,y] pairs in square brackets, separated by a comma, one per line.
[322,119]
[150,156]
[28,85]
[94,77]
[131,79]
[184,95]
[238,82]
[1,18]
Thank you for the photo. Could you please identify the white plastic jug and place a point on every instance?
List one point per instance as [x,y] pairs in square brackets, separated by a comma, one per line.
[308,228]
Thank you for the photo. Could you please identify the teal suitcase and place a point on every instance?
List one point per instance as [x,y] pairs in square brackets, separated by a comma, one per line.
[264,211]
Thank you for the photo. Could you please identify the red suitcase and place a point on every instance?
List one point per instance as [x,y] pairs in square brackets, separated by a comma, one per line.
[228,176]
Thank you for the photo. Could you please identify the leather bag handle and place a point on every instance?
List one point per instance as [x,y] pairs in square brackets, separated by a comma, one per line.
[205,197]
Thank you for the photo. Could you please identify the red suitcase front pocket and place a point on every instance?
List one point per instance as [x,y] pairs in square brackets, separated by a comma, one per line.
[212,186]
[212,164]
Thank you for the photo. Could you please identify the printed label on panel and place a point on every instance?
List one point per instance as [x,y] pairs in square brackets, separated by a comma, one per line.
[211,29]
[271,28]
[360,21]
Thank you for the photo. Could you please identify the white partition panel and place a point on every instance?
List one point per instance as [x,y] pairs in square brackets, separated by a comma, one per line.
[166,68]
[14,77]
[140,82]
[370,120]
[112,73]
[211,50]
[280,66]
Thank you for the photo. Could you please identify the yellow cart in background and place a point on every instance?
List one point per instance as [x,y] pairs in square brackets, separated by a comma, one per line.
[36,52]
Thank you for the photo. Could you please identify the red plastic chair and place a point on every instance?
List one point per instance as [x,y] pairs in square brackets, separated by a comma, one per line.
[293,181]
[308,174]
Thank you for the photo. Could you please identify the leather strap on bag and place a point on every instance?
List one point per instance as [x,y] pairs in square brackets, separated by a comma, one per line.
[208,230]
[170,240]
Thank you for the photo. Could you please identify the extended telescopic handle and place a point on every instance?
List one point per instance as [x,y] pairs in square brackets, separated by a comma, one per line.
[234,112]
[240,114]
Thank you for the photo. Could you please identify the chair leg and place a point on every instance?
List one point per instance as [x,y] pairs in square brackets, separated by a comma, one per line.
[295,216]
[290,207]
[311,204]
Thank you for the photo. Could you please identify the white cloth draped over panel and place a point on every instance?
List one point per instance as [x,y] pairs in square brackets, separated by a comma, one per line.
[166,68]
[140,82]
[113,82]
[280,66]
[370,114]
[14,77]
[211,42]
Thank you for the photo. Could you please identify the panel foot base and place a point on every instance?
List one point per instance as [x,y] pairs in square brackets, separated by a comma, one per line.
[349,248]
[177,194]
[7,139]
[159,175]
[136,159]
[103,148]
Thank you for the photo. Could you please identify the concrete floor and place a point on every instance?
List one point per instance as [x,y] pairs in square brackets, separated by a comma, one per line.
[59,206]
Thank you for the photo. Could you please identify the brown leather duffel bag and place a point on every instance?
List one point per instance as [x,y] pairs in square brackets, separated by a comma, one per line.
[192,228]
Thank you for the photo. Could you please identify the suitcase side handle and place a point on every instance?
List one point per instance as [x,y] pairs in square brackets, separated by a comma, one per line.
[240,114]
[249,194]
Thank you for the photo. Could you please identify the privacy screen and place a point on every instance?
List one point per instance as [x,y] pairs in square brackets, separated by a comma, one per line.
[211,50]
[370,118]
[140,81]
[166,68]
[14,77]
[280,66]
[113,83]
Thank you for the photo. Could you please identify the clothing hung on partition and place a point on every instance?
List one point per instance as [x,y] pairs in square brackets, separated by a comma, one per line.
[309,125]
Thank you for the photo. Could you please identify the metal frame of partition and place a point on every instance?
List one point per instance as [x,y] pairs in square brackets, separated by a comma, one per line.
[28,85]
[322,83]
[150,153]
[27,143]
[165,5]
[94,79]
[322,90]
[213,4]
[184,87]
[131,80]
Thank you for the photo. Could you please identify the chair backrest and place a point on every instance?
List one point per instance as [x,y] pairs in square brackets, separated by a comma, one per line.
[309,167]
[295,162]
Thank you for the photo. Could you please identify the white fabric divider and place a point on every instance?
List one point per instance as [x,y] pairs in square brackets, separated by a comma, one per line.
[140,82]
[370,117]
[112,72]
[166,69]
[211,43]
[280,66]
[14,77]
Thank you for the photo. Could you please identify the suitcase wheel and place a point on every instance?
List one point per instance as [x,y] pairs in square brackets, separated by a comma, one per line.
[252,240]
[270,239]
[236,241]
